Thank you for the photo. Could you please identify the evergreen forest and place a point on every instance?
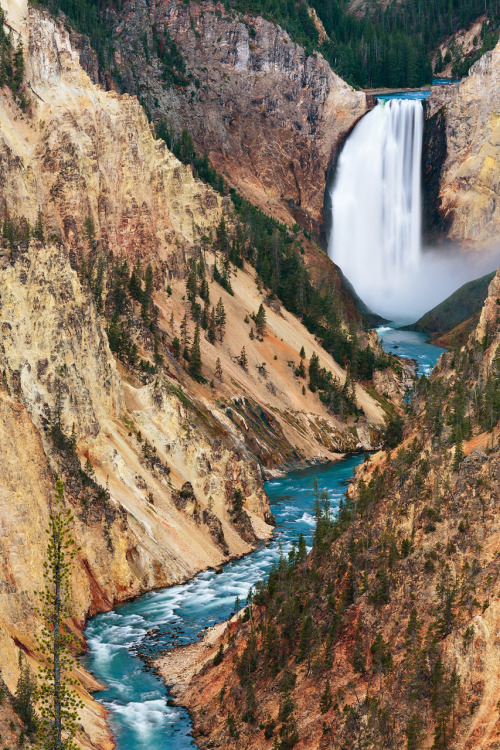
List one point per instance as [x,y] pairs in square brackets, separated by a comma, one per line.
[390,46]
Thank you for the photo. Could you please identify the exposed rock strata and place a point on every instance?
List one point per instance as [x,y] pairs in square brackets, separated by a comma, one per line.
[467,112]
[269,116]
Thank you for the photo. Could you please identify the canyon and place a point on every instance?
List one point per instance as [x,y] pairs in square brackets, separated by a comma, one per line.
[164,471]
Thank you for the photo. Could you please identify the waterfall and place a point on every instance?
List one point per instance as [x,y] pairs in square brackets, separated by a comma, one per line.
[376,204]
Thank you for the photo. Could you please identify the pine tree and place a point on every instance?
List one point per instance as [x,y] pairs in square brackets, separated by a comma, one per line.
[358,657]
[18,67]
[192,284]
[176,347]
[205,316]
[326,700]
[414,732]
[147,296]
[313,372]
[58,702]
[185,332]
[195,366]
[302,353]
[382,657]
[220,318]
[38,232]
[135,283]
[24,699]
[260,321]
[306,641]
[250,702]
[89,230]
[222,240]
[243,359]
[459,450]
[446,590]
[218,370]
[212,327]
[204,290]
[288,731]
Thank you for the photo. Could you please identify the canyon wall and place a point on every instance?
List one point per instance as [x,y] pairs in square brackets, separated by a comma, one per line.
[269,116]
[387,635]
[464,129]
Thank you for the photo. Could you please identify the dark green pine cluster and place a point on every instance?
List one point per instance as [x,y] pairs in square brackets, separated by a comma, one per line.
[454,407]
[391,46]
[11,61]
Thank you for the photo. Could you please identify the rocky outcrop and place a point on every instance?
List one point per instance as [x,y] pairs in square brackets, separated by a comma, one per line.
[268,115]
[435,224]
[398,381]
[80,152]
[467,113]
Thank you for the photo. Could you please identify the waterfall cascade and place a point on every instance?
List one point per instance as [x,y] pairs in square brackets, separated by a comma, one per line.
[376,204]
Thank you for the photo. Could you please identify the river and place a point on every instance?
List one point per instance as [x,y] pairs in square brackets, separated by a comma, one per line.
[140,716]
[410,344]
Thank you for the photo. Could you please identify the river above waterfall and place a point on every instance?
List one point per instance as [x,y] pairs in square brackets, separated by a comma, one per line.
[139,714]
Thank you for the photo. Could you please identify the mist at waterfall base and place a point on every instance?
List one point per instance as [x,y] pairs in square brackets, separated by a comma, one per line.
[436,275]
[377,218]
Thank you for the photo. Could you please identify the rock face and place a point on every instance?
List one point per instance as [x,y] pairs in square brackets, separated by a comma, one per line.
[89,153]
[53,347]
[269,116]
[467,114]
[57,367]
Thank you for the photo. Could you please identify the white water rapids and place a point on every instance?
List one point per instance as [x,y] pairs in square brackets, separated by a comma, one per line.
[376,203]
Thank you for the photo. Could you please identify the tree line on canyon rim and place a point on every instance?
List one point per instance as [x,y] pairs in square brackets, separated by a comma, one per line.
[389,46]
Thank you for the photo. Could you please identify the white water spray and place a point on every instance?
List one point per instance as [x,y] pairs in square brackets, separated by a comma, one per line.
[376,204]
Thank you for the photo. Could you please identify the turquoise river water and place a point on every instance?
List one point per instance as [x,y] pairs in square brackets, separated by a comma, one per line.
[137,699]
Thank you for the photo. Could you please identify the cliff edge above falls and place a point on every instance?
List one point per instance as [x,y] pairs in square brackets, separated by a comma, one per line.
[464,128]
